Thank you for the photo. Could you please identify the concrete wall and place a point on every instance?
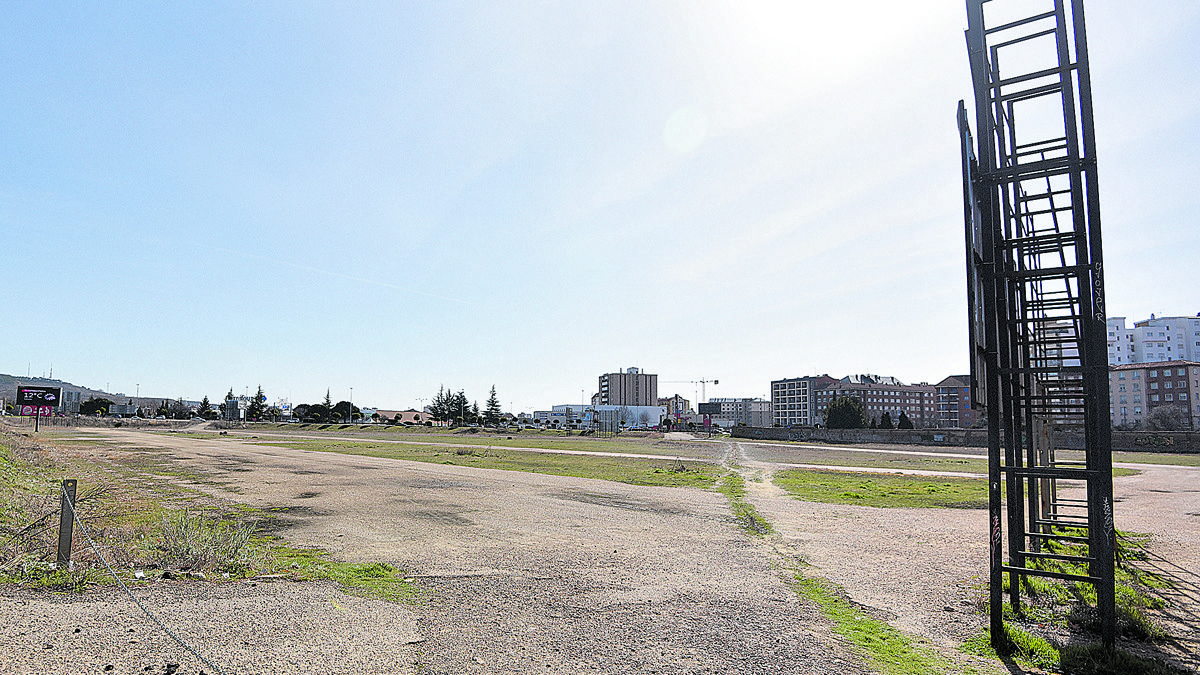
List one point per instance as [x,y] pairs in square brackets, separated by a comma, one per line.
[1124,441]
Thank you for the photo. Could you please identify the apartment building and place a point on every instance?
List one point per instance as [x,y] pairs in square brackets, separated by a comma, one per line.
[954,406]
[752,412]
[883,394]
[793,402]
[631,387]
[1155,340]
[1137,389]
[676,405]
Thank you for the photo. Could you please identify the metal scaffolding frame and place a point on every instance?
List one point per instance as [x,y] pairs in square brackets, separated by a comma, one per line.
[1039,359]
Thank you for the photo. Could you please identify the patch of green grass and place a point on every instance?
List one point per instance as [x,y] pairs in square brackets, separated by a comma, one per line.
[734,488]
[1070,605]
[1017,644]
[380,581]
[1092,658]
[889,651]
[883,490]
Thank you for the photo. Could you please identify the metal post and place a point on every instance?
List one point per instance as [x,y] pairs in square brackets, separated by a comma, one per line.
[66,521]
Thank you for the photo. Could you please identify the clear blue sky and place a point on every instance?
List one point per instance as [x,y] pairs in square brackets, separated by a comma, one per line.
[396,196]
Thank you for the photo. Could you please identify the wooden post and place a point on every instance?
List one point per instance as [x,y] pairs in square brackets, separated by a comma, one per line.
[66,522]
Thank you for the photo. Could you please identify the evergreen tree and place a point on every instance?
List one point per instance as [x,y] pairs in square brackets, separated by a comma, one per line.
[492,414]
[257,407]
[205,410]
[845,412]
[904,422]
[885,420]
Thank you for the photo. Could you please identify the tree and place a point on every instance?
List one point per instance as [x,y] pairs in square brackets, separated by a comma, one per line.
[205,410]
[345,412]
[258,406]
[179,410]
[904,422]
[164,409]
[1167,418]
[845,412]
[493,413]
[225,407]
[885,420]
[624,416]
[95,406]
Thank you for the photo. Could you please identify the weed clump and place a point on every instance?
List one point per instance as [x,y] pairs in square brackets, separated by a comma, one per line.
[193,542]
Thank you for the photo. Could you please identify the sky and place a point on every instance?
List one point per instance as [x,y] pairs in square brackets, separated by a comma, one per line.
[379,199]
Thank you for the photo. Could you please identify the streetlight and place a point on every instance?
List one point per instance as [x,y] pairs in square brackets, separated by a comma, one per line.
[351,412]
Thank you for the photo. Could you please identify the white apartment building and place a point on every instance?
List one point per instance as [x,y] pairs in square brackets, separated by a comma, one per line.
[752,412]
[793,400]
[1168,338]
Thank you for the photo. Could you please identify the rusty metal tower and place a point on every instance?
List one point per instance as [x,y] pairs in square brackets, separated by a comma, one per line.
[1035,279]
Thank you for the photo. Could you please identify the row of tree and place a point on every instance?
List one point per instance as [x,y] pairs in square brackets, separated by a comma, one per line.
[848,412]
[327,411]
[453,408]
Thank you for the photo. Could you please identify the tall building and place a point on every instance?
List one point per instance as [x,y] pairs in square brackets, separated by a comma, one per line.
[752,412]
[793,402]
[631,387]
[884,394]
[1157,339]
[1138,388]
[954,407]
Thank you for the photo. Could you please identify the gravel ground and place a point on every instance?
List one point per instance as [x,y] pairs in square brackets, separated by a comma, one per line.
[523,573]
[246,628]
[526,573]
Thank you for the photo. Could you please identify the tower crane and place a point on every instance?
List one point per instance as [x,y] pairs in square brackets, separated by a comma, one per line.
[700,382]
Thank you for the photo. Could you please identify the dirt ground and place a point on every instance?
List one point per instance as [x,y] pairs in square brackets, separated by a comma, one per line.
[535,573]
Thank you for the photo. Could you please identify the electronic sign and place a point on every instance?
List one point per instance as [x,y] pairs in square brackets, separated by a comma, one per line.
[38,401]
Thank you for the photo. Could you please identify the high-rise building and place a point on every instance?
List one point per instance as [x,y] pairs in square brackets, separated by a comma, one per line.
[1136,389]
[1157,339]
[793,400]
[954,406]
[631,387]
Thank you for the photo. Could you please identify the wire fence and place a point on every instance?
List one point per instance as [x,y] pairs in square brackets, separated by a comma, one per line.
[96,549]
